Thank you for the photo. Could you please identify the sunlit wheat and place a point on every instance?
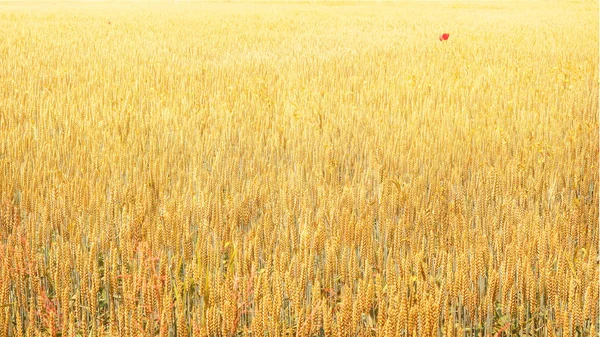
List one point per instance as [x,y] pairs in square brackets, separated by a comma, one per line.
[281,169]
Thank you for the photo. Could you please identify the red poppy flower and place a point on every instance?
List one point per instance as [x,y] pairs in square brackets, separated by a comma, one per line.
[444,37]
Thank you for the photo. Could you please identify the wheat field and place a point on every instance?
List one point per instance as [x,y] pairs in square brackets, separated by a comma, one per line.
[299,169]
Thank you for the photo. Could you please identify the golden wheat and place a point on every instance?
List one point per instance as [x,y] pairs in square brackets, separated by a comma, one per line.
[306,169]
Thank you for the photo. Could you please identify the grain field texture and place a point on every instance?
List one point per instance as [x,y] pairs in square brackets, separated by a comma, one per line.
[299,169]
